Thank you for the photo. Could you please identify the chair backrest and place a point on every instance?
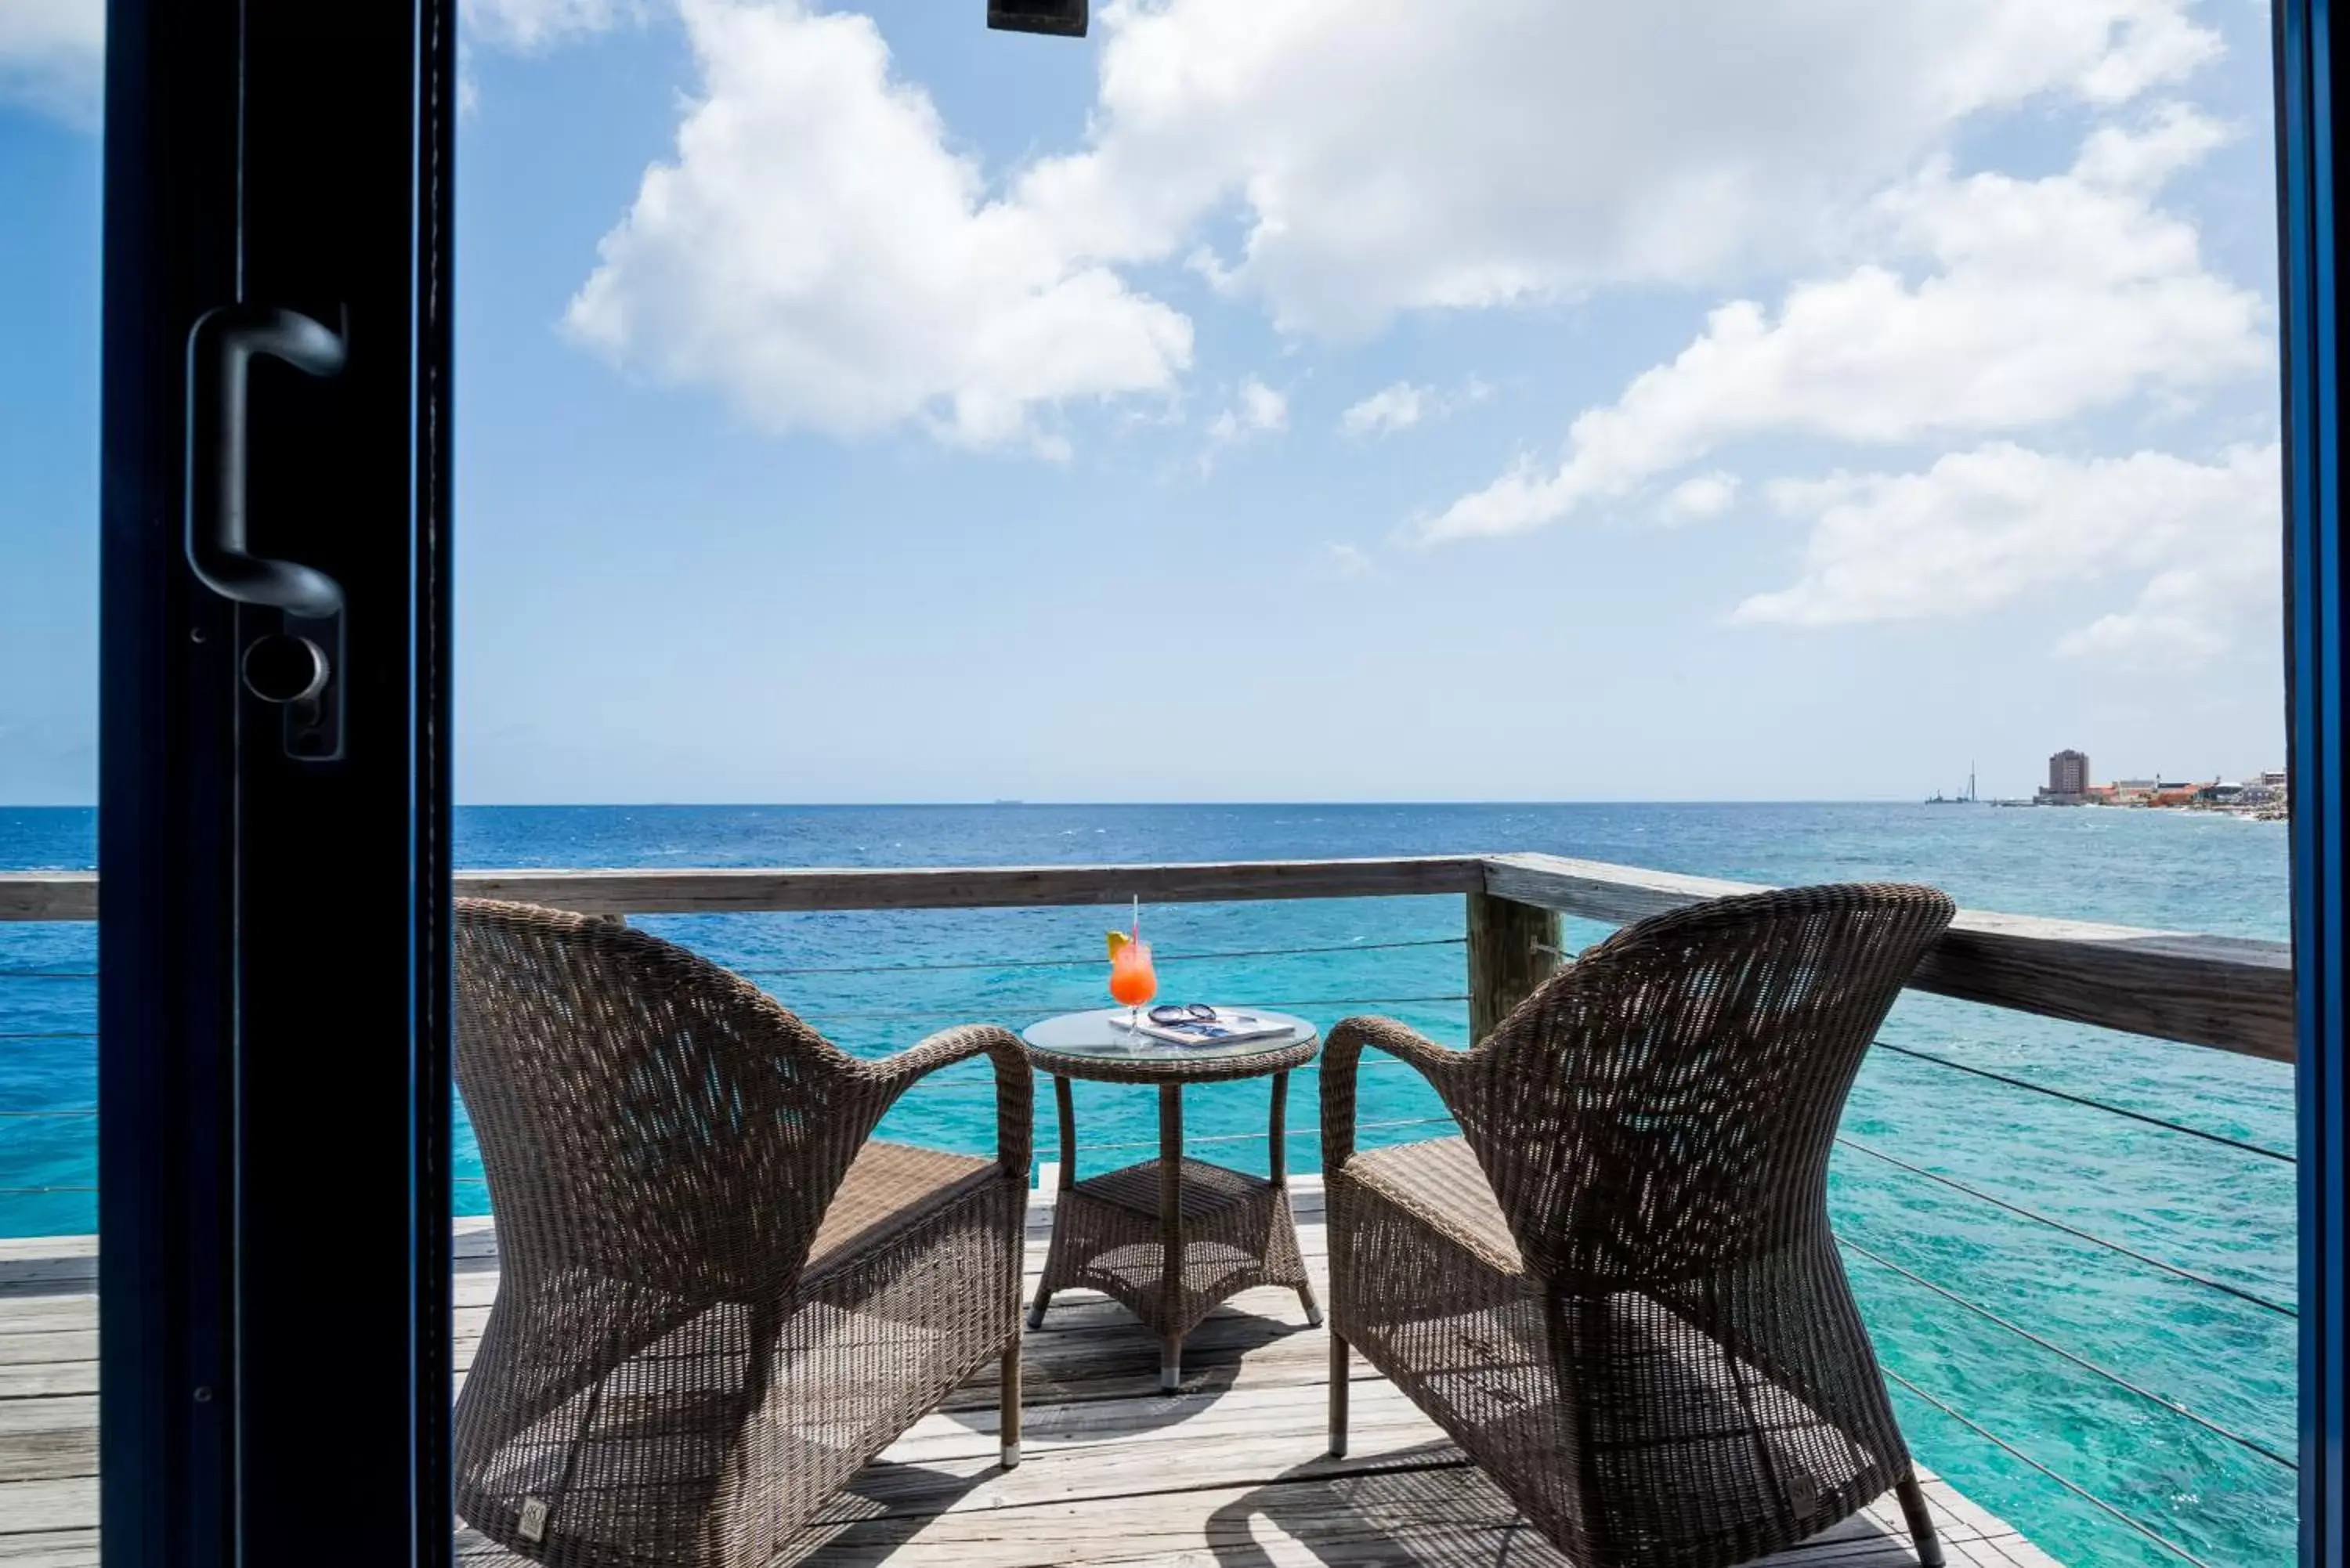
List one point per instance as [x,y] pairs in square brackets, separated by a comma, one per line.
[1668,1102]
[642,1114]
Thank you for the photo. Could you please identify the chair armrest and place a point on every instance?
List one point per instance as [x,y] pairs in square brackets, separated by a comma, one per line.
[1015,1088]
[1448,1072]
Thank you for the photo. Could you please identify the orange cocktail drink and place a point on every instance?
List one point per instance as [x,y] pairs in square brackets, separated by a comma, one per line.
[1132,981]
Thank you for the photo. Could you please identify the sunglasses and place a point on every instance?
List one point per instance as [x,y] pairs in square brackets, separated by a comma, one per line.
[1182,1013]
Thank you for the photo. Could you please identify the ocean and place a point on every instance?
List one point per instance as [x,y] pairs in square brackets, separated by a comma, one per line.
[1974,1306]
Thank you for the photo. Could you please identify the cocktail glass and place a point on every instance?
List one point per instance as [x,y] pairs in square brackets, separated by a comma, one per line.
[1132,981]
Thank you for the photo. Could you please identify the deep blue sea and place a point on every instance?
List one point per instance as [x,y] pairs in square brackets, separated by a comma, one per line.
[2205,1209]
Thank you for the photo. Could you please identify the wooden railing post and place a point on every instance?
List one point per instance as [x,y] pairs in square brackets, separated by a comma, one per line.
[1513,948]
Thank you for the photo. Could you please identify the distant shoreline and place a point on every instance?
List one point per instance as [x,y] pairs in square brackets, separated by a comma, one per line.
[1709,802]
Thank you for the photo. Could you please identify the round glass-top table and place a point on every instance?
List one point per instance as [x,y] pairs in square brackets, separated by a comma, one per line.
[1090,1045]
[1171,1238]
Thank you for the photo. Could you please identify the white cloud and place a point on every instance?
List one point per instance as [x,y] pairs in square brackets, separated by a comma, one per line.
[53,57]
[531,27]
[1261,408]
[1387,411]
[1981,528]
[2045,298]
[1347,561]
[1389,155]
[819,255]
[2183,616]
[536,23]
[1706,495]
[1403,405]
[1257,409]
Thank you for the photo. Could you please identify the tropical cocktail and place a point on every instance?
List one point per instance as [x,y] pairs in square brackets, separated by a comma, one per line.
[1132,982]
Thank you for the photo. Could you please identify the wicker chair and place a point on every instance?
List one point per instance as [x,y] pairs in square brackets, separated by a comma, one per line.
[719,1297]
[1619,1291]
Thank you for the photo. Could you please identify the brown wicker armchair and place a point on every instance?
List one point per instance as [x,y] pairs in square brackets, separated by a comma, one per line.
[1619,1291]
[719,1297]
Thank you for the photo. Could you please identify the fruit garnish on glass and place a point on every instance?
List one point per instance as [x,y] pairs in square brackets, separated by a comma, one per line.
[1132,982]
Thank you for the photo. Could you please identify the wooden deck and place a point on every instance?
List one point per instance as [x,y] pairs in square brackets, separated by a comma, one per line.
[1229,1473]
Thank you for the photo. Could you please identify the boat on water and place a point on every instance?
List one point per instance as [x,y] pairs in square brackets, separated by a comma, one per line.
[1938,798]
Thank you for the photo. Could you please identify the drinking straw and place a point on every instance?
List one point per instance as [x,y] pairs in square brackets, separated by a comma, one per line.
[1137,932]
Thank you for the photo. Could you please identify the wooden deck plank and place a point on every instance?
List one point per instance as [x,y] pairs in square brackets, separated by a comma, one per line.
[47,1313]
[1230,1472]
[57,1344]
[51,1549]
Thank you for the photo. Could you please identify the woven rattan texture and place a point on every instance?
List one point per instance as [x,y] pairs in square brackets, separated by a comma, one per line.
[1656,1354]
[718,1298]
[1439,1181]
[1237,1234]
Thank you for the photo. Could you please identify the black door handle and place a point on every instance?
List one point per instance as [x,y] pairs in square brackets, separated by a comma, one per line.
[221,349]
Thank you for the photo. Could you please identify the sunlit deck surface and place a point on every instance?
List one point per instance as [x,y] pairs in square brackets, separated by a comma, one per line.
[1230,1472]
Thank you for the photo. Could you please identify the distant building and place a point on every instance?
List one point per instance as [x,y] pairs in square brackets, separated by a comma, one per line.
[2264,792]
[2068,774]
[2068,779]
[2068,784]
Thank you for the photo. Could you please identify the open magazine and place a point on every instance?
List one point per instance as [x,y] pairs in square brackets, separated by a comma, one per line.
[1227,1027]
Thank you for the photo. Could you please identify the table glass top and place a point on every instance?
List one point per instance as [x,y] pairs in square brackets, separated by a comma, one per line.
[1090,1034]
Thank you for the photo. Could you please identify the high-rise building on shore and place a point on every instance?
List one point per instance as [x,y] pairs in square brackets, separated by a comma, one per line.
[2068,774]
[2068,779]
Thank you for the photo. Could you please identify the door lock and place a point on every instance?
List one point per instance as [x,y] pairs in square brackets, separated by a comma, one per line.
[282,667]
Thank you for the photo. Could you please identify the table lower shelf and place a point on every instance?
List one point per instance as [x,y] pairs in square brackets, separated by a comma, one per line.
[1208,1189]
[1109,1234]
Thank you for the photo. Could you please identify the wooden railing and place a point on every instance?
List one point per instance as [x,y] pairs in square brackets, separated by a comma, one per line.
[2229,993]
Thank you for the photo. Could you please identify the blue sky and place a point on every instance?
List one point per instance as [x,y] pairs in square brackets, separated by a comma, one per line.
[1327,399]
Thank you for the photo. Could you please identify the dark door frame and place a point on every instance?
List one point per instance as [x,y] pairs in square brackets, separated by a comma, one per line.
[2308,176]
[274,1080]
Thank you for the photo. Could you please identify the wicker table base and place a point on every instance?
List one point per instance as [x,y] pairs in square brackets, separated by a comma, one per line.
[1171,1238]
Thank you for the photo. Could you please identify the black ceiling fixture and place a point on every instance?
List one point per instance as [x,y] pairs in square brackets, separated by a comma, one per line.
[1066,17]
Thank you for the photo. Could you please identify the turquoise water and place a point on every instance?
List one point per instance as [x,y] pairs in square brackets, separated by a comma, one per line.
[2208,1209]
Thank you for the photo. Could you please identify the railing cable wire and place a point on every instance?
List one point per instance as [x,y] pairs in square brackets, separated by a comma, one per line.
[2116,1378]
[2084,1493]
[2083,1100]
[2206,1280]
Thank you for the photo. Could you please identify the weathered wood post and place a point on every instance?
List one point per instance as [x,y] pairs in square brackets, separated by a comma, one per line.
[1513,948]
